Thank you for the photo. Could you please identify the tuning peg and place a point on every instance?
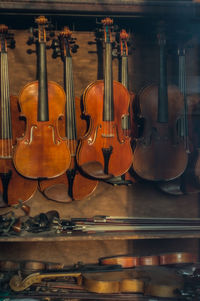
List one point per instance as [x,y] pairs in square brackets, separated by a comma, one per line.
[74,48]
[52,34]
[30,41]
[56,53]
[30,51]
[12,44]
[92,51]
[54,44]
[115,52]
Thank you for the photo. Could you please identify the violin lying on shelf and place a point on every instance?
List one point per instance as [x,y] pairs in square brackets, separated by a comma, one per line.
[13,186]
[72,185]
[128,261]
[160,153]
[105,151]
[42,153]
[152,281]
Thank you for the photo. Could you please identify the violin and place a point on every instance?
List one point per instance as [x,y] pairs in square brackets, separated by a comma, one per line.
[126,261]
[160,153]
[177,258]
[153,281]
[42,153]
[72,185]
[9,266]
[105,150]
[129,125]
[188,128]
[129,261]
[13,186]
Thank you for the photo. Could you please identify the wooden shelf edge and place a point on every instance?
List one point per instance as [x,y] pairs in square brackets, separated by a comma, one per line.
[102,6]
[93,237]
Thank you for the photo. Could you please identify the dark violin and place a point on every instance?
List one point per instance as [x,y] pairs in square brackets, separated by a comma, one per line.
[72,184]
[42,153]
[13,186]
[105,151]
[160,154]
[188,129]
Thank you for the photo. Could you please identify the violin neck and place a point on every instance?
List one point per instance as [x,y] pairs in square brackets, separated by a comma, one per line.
[6,126]
[182,78]
[108,105]
[124,71]
[162,89]
[43,108]
[70,123]
[182,87]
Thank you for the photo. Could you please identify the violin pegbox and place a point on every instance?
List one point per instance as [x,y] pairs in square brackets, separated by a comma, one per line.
[43,33]
[65,44]
[6,38]
[124,37]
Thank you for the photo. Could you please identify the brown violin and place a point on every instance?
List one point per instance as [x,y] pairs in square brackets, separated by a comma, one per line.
[72,185]
[13,186]
[160,153]
[105,150]
[129,261]
[42,153]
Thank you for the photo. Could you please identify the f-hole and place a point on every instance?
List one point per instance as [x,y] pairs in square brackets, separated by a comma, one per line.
[106,154]
[5,179]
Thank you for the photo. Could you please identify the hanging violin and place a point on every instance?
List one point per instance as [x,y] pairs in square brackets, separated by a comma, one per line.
[105,151]
[14,187]
[160,153]
[72,184]
[42,153]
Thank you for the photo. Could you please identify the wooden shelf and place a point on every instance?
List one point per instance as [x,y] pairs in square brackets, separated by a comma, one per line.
[134,7]
[101,236]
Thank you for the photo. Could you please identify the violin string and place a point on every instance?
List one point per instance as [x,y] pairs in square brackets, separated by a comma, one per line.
[8,116]
[2,91]
[7,108]
[73,110]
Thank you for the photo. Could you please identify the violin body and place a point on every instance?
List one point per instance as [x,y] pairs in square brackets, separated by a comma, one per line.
[9,177]
[72,185]
[41,153]
[105,136]
[159,154]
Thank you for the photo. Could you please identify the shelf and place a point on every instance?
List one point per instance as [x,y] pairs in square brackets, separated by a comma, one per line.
[100,236]
[137,7]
